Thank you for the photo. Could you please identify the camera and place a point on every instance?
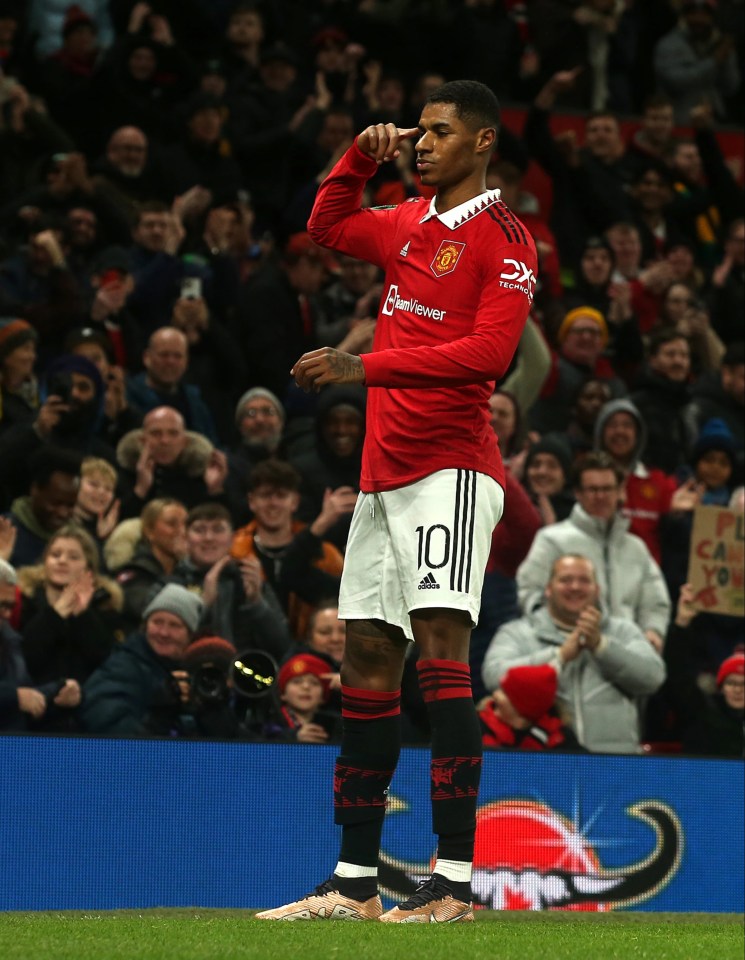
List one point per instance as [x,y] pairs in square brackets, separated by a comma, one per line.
[208,683]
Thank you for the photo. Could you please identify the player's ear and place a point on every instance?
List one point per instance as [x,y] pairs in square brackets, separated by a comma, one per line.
[486,139]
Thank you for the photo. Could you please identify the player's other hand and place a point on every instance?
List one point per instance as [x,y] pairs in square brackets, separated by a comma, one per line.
[381,140]
[326,365]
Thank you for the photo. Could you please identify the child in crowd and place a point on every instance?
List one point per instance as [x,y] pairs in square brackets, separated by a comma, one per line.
[303,686]
[96,509]
[521,714]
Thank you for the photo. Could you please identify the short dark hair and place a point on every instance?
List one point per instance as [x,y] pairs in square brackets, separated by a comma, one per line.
[663,335]
[595,461]
[50,459]
[274,473]
[209,512]
[474,102]
[656,102]
[734,355]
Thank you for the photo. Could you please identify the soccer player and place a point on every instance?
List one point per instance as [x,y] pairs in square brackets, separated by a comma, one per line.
[460,276]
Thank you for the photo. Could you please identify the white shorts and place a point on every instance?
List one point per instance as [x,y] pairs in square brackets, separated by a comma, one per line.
[423,545]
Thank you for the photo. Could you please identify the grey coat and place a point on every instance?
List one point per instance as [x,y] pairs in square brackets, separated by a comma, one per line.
[598,690]
[631,583]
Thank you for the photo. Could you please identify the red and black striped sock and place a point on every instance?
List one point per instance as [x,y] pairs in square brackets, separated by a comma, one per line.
[456,755]
[371,744]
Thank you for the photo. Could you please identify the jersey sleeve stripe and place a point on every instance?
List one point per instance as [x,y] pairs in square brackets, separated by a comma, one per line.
[515,222]
[505,231]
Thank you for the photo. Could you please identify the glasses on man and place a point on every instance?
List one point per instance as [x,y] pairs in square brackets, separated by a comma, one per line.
[254,412]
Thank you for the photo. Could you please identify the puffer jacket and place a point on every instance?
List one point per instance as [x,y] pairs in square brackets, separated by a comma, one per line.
[631,583]
[598,690]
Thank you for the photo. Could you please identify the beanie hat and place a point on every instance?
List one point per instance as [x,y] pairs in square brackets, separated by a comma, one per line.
[210,650]
[75,363]
[714,435]
[259,392]
[179,601]
[14,332]
[76,17]
[558,447]
[733,664]
[574,315]
[530,690]
[301,664]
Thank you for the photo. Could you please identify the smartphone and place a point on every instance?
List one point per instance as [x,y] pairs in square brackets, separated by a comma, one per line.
[191,288]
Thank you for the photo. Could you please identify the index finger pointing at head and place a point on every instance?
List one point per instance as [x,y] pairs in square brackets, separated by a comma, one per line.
[408,132]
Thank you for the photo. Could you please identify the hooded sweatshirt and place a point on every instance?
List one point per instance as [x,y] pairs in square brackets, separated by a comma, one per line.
[648,491]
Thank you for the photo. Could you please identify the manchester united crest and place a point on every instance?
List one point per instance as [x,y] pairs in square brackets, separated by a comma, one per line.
[446,258]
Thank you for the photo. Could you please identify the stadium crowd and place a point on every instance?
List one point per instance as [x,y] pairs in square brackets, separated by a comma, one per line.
[174,508]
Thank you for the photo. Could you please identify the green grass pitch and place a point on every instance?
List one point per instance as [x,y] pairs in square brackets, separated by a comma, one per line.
[234,935]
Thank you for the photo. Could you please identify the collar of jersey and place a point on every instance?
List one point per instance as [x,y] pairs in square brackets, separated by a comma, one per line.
[464,212]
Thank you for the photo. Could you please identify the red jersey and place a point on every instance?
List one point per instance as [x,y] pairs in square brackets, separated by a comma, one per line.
[458,288]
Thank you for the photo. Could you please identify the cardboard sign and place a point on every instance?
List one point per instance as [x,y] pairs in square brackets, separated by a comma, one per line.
[715,564]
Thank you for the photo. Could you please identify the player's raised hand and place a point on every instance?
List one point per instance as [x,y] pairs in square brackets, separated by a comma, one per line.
[381,140]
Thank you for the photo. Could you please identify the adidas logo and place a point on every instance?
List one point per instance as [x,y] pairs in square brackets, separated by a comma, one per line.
[429,583]
[405,249]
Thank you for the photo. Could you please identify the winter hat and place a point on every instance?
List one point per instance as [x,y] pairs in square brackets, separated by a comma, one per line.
[68,363]
[179,601]
[214,650]
[714,435]
[558,447]
[76,17]
[14,332]
[531,690]
[574,315]
[301,664]
[733,664]
[259,392]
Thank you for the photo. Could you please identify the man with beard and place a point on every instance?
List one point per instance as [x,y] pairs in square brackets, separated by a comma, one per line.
[73,393]
[260,421]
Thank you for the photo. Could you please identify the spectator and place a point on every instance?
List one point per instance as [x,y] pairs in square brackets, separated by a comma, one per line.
[278,314]
[301,566]
[111,282]
[49,504]
[336,459]
[629,579]
[140,672]
[709,721]
[695,63]
[548,468]
[19,389]
[164,459]
[520,715]
[215,371]
[303,691]
[721,394]
[589,182]
[162,544]
[117,417]
[507,424]
[97,509]
[203,157]
[654,139]
[713,460]
[239,605]
[22,704]
[648,493]
[589,400]
[162,383]
[68,418]
[661,395]
[128,171]
[69,614]
[604,662]
[260,421]
[582,337]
